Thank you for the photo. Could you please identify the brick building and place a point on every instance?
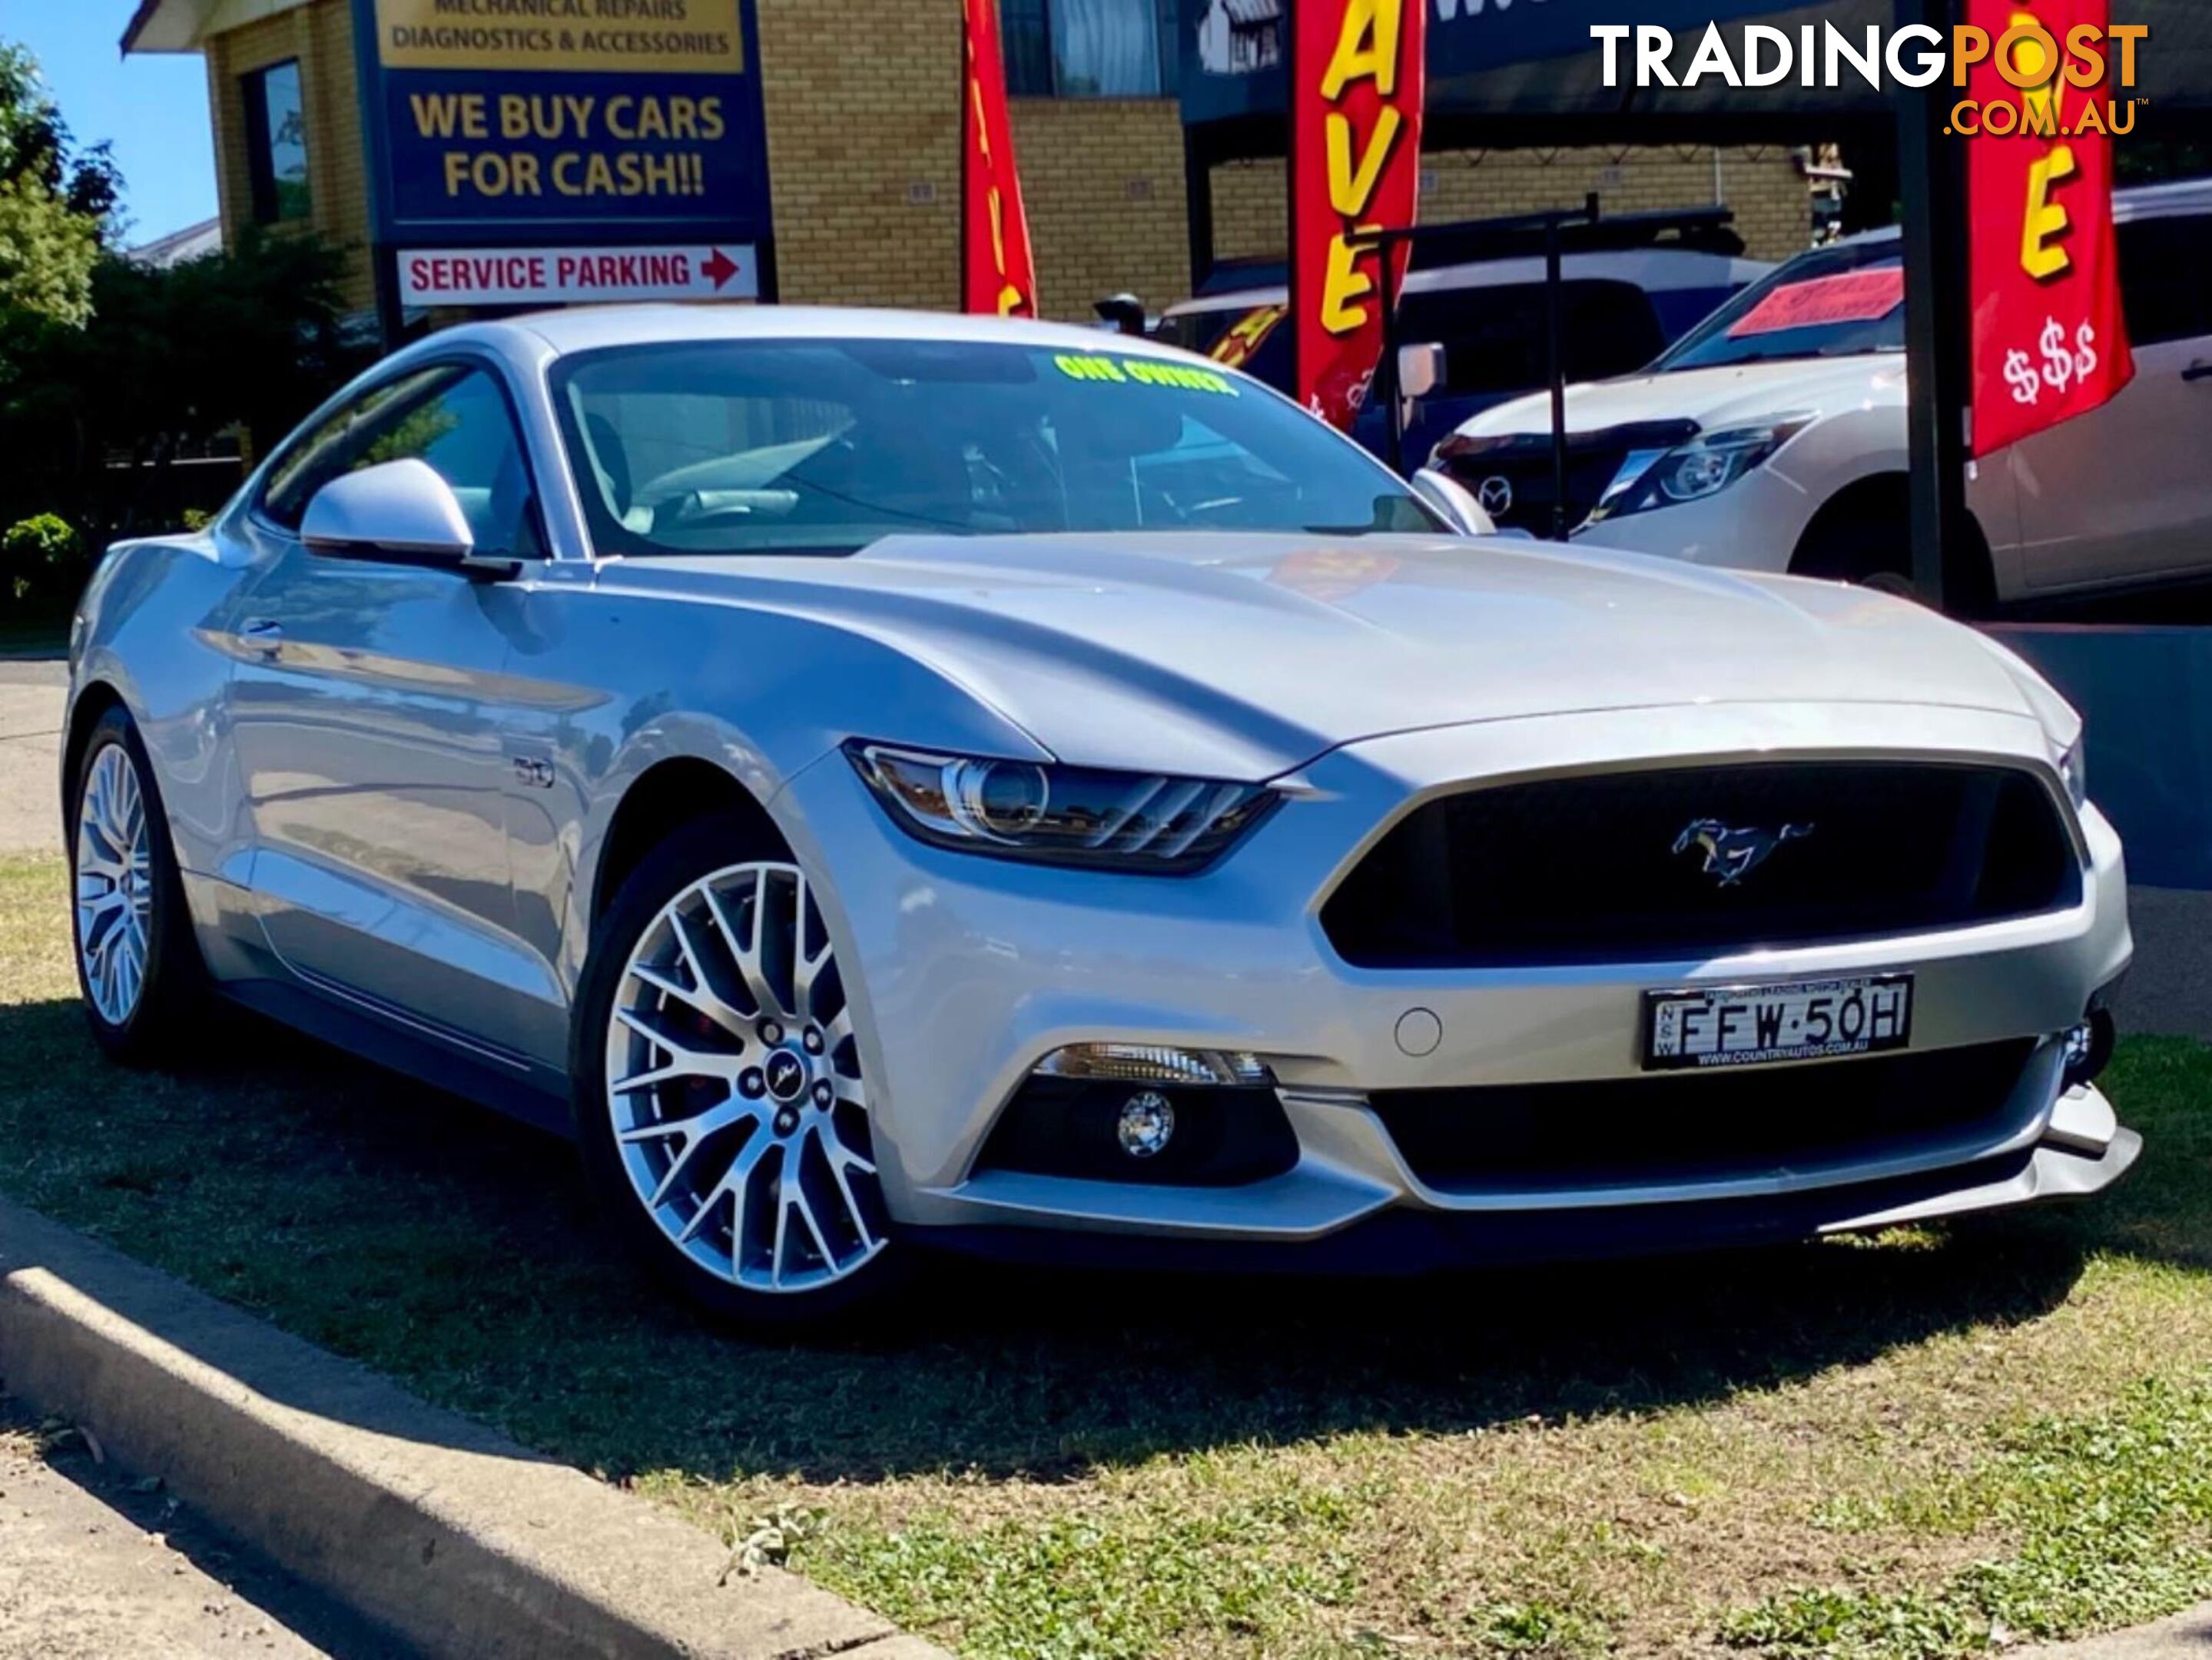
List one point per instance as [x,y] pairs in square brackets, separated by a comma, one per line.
[862,134]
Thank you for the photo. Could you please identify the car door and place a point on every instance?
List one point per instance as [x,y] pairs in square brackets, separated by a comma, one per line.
[2119,495]
[370,722]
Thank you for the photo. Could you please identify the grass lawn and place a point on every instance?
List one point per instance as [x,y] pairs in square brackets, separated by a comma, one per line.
[1924,1445]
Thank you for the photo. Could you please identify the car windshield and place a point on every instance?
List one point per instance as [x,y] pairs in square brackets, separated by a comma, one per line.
[825,446]
[1834,303]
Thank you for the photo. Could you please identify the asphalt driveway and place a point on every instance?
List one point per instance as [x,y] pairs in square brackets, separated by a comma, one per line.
[30,750]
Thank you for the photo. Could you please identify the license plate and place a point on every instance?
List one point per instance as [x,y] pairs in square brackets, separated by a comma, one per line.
[1757,1026]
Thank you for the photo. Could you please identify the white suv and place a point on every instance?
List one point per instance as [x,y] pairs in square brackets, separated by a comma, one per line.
[1768,447]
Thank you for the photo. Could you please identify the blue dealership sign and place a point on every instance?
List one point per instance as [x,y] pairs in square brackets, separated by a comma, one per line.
[522,121]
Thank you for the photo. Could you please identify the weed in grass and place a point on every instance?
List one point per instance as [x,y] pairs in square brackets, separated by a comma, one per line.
[2111,1518]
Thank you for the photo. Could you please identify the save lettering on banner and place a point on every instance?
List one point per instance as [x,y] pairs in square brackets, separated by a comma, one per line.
[998,271]
[1356,104]
[2049,333]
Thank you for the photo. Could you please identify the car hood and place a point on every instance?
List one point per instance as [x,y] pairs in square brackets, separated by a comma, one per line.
[1714,398]
[1245,656]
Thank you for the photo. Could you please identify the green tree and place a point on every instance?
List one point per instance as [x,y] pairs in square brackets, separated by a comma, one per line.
[56,203]
[170,360]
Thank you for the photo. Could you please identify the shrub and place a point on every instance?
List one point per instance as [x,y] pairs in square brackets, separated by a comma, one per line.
[39,555]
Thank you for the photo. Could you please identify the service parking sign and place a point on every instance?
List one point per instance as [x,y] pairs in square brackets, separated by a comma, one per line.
[549,276]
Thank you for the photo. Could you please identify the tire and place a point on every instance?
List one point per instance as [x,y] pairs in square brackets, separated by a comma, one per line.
[138,966]
[1867,540]
[705,1073]
[1871,548]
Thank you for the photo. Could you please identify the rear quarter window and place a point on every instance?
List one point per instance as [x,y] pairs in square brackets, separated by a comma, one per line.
[2163,281]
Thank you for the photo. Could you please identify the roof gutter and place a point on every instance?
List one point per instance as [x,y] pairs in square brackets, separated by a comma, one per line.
[185,25]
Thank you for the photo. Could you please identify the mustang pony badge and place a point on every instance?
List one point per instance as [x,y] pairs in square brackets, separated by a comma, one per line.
[1732,854]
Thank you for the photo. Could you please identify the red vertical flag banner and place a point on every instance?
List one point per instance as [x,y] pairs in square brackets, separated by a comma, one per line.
[1356,89]
[2049,338]
[997,276]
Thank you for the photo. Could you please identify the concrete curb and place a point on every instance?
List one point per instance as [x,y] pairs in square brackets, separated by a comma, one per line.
[434,1527]
[2184,1637]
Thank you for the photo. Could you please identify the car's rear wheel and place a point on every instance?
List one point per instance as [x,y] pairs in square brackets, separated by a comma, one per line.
[718,1092]
[137,964]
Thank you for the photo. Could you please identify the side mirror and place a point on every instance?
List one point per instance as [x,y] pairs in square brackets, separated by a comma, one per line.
[1123,312]
[1454,501]
[1420,370]
[401,511]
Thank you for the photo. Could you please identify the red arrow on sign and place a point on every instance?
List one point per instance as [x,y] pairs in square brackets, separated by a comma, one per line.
[721,268]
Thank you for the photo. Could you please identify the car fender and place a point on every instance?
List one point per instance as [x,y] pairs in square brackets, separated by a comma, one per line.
[1834,453]
[758,695]
[149,627]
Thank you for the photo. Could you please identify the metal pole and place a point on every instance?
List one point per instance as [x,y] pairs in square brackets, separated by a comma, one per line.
[391,315]
[1936,312]
[1198,207]
[1555,364]
[1386,372]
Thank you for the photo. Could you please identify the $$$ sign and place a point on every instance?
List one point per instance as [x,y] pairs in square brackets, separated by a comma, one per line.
[2065,363]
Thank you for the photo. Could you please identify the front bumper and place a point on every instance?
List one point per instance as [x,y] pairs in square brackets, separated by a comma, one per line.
[1410,1240]
[968,972]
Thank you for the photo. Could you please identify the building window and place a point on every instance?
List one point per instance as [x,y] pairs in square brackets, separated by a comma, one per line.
[1090,48]
[276,143]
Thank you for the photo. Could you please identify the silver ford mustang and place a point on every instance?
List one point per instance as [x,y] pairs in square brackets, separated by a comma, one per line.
[881,781]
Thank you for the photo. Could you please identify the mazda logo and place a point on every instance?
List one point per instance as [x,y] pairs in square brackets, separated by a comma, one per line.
[786,1076]
[1495,494]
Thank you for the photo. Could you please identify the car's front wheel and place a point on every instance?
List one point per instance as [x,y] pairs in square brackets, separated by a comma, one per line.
[718,1088]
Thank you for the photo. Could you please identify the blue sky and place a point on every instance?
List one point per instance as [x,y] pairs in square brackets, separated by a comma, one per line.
[154,108]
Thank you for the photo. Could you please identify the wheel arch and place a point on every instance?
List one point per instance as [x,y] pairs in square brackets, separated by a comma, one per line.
[91,705]
[666,796]
[1884,500]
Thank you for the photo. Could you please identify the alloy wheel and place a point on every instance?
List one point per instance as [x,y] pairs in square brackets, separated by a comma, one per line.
[734,1087]
[114,885]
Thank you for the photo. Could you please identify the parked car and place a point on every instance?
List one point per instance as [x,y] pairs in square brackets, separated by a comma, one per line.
[884,781]
[1767,448]
[1621,307]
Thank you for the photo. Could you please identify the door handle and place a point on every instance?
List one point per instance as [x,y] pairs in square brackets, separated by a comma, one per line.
[263,634]
[2199,370]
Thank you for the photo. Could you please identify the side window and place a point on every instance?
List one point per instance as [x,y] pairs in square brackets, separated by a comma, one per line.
[465,430]
[2162,264]
[455,420]
[1493,337]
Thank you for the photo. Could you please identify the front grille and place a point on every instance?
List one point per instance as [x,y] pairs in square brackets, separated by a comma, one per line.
[1584,870]
[1705,1126]
[1523,464]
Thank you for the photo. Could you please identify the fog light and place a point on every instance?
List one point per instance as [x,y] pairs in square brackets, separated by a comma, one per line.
[2089,1048]
[1146,1124]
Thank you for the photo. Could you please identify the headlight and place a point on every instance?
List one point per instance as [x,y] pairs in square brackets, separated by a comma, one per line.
[2074,768]
[1704,467]
[1062,815]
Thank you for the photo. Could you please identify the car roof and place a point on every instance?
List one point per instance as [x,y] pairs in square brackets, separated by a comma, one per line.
[1657,271]
[587,328]
[2184,196]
